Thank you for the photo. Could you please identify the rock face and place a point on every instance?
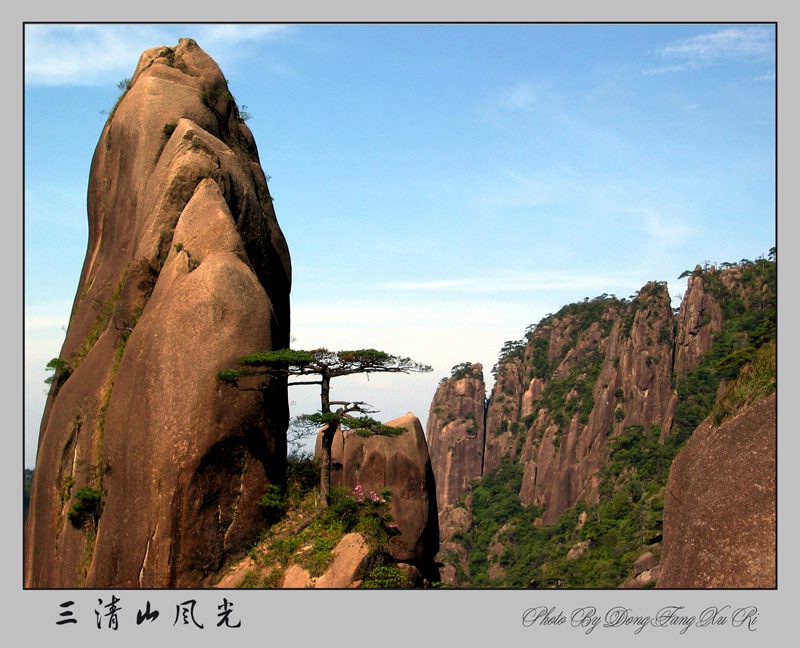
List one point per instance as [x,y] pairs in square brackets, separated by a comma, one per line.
[453,557]
[456,432]
[456,437]
[582,378]
[186,269]
[699,318]
[720,511]
[402,464]
[611,372]
[647,571]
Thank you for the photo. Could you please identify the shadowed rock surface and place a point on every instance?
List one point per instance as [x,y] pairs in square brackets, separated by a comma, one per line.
[720,511]
[186,269]
[453,556]
[456,440]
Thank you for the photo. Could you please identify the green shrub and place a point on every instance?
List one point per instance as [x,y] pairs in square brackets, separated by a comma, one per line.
[244,115]
[465,370]
[302,475]
[169,55]
[317,559]
[210,97]
[386,577]
[87,507]
[61,371]
[755,381]
[273,503]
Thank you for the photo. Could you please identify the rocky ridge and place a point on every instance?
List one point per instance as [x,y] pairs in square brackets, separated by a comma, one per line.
[594,375]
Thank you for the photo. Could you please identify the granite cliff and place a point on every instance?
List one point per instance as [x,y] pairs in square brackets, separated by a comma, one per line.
[720,509]
[591,405]
[148,470]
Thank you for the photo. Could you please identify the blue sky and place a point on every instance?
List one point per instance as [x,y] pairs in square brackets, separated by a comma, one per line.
[441,187]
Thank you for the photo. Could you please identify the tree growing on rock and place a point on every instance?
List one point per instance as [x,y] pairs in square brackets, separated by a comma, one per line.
[321,366]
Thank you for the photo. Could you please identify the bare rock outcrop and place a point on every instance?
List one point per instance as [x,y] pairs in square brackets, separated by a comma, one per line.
[718,534]
[699,318]
[608,365]
[503,412]
[402,464]
[646,572]
[455,432]
[186,269]
[345,571]
[453,558]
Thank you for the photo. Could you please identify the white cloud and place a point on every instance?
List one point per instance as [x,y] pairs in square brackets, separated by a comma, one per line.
[82,54]
[664,231]
[240,33]
[664,69]
[100,54]
[736,43]
[523,96]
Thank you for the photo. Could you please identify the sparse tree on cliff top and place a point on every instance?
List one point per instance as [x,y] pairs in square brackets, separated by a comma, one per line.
[321,366]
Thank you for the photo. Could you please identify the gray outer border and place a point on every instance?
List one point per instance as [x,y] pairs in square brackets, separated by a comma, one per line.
[394,618]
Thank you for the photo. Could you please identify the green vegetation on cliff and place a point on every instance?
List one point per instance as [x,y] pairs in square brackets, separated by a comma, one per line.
[749,323]
[596,545]
[301,533]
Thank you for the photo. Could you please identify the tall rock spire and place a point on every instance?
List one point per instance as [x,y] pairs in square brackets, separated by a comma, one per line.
[455,431]
[186,269]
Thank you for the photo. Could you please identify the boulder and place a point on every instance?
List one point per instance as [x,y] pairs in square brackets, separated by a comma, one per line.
[402,464]
[348,566]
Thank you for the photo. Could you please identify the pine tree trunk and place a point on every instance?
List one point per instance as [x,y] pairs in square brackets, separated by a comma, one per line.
[325,465]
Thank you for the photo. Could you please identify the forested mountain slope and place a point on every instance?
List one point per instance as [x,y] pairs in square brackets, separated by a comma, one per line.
[586,415]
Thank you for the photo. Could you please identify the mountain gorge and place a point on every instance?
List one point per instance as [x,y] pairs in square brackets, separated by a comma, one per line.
[578,434]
